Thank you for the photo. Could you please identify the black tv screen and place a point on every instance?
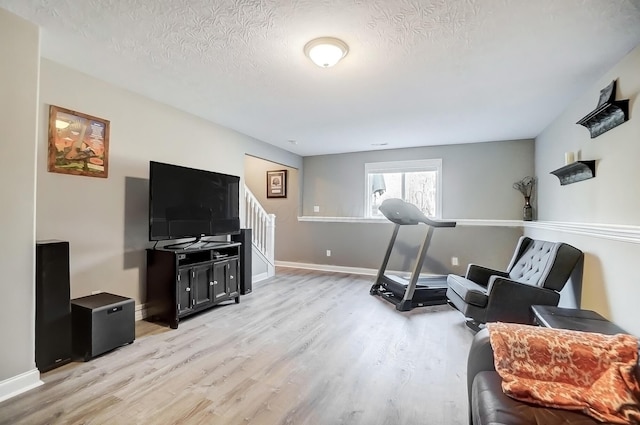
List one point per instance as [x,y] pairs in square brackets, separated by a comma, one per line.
[186,202]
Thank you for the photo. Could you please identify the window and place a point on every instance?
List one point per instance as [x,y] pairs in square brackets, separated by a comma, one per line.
[417,182]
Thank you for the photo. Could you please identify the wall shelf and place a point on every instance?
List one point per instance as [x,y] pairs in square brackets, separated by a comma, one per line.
[609,113]
[576,172]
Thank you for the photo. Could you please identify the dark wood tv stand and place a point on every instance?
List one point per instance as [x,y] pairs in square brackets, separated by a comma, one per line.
[181,282]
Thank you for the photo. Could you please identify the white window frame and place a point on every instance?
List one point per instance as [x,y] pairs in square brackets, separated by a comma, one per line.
[434,164]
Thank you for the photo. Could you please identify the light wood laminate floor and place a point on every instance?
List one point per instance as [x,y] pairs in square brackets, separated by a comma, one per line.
[304,348]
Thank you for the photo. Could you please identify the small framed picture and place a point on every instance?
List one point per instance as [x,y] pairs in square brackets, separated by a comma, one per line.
[277,184]
[78,143]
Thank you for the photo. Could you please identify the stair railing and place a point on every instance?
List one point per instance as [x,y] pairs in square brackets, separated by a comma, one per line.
[263,227]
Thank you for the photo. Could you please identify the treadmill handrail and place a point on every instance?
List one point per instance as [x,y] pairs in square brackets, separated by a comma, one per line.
[437,223]
[403,213]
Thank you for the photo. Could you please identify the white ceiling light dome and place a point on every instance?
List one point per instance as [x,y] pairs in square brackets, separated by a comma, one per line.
[326,51]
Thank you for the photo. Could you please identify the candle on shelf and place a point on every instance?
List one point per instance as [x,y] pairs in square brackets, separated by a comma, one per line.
[568,158]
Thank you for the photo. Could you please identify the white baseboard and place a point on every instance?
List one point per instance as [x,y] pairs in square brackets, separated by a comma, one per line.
[260,277]
[344,269]
[327,268]
[141,312]
[18,384]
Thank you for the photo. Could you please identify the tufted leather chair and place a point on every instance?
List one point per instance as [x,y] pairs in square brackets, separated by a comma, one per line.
[536,274]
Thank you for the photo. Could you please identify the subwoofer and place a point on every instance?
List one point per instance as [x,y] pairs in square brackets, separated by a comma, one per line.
[100,323]
[53,305]
[245,260]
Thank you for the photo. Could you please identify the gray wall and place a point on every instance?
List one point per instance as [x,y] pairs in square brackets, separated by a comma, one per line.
[476,179]
[363,245]
[610,284]
[477,184]
[19,51]
[105,220]
[285,209]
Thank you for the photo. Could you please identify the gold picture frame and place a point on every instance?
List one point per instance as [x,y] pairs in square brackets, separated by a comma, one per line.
[277,184]
[78,143]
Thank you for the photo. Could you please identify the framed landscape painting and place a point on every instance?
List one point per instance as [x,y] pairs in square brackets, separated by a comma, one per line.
[78,143]
[277,184]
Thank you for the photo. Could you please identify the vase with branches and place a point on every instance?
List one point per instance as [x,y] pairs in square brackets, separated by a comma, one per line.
[525,186]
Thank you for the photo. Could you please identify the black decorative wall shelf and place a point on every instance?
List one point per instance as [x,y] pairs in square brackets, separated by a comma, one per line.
[608,114]
[576,172]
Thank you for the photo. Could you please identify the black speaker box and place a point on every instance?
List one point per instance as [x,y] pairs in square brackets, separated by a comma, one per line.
[101,322]
[53,308]
[245,260]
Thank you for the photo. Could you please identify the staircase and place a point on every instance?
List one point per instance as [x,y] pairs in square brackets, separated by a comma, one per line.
[263,227]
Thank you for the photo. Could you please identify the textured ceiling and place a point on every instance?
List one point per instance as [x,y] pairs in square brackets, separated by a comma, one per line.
[419,72]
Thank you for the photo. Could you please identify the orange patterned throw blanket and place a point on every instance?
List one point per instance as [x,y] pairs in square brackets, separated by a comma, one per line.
[588,372]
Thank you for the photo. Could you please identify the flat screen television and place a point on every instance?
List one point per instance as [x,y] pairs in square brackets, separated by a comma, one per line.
[186,202]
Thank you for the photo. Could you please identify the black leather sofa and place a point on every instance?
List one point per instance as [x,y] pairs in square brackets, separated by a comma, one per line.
[488,405]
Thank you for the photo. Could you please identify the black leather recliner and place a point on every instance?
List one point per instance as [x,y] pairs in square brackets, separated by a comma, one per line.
[536,274]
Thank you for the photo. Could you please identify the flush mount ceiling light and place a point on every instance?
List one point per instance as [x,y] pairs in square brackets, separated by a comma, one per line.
[326,51]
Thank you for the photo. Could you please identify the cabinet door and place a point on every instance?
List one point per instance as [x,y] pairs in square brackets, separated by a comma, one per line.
[233,277]
[202,284]
[185,293]
[219,279]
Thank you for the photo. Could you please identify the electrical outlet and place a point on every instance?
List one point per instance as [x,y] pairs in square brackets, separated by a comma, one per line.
[454,261]
[328,253]
[316,208]
[95,292]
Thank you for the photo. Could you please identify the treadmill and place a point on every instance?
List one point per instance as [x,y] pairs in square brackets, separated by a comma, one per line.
[416,291]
